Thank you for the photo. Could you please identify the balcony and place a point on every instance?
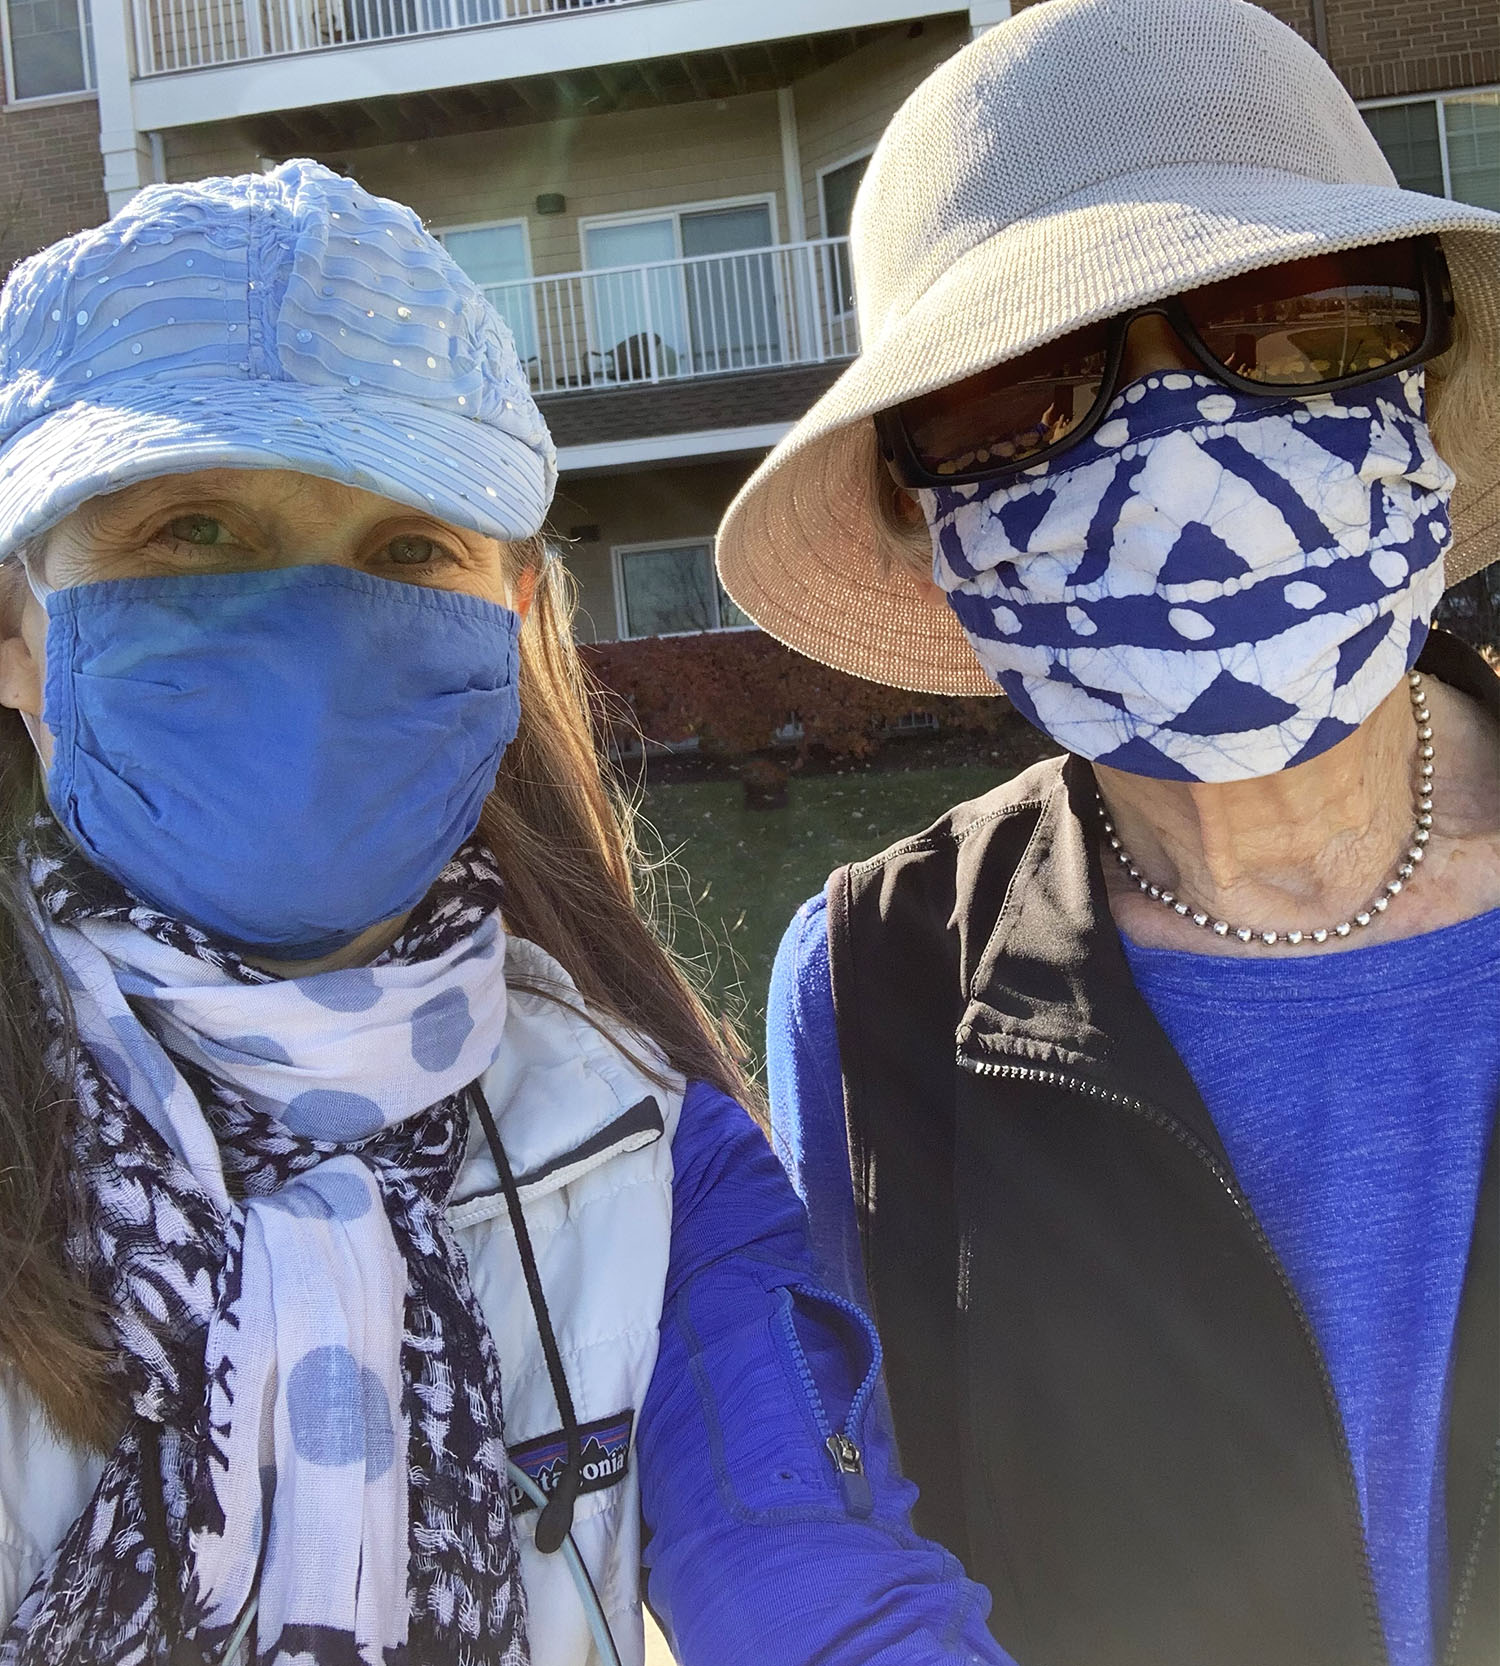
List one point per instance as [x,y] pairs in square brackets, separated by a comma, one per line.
[356,72]
[675,321]
[173,35]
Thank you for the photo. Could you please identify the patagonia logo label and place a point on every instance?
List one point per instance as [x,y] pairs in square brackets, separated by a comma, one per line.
[606,1458]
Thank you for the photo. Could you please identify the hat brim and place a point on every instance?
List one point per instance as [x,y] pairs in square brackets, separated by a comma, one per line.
[803,549]
[467,473]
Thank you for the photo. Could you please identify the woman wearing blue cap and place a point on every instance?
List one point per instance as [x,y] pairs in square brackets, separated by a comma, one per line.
[383,1240]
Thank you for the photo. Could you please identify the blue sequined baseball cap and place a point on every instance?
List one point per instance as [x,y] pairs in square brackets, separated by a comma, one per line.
[280,320]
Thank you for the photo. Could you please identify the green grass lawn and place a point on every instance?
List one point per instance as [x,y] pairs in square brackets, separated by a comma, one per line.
[745,872]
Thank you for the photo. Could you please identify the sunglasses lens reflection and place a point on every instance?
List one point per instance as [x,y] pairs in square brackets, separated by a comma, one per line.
[1312,321]
[1302,324]
[1012,412]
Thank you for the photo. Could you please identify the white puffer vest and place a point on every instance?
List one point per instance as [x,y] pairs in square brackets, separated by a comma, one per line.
[588,1136]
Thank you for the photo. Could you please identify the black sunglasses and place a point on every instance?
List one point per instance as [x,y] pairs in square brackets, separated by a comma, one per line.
[1303,327]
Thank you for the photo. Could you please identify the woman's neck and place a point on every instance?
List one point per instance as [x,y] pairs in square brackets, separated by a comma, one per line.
[373,940]
[1303,848]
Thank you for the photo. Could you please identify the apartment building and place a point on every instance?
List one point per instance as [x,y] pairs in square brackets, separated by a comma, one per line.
[655,193]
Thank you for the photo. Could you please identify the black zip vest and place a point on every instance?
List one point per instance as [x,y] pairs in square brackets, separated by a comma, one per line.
[1101,1376]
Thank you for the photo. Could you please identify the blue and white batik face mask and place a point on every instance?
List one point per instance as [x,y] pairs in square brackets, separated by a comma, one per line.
[1213,586]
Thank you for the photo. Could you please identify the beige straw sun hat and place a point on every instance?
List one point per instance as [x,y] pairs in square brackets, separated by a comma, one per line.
[1086,157]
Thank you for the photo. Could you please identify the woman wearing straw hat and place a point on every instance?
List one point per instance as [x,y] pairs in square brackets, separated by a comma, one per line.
[1166,1074]
[382,1237]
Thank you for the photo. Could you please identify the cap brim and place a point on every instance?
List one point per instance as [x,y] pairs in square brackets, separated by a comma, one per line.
[803,550]
[468,473]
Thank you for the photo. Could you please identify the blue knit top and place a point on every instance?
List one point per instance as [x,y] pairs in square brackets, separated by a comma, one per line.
[1356,1096]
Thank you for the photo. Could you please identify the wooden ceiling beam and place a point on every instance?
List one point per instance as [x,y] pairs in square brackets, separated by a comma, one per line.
[451,107]
[695,77]
[385,119]
[649,76]
[528,92]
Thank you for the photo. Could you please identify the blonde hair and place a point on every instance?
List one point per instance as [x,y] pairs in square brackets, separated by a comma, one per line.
[1463,403]
[562,832]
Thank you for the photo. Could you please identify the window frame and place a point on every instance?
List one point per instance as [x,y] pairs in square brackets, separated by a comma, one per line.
[838,313]
[524,222]
[1439,99]
[833,168]
[90,88]
[675,211]
[652,546]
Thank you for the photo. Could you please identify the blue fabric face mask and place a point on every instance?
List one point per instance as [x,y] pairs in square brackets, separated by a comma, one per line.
[283,758]
[1212,586]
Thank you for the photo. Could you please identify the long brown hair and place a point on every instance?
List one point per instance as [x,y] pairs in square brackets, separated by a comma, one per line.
[562,831]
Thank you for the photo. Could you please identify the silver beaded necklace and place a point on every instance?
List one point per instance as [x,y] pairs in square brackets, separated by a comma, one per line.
[1393,887]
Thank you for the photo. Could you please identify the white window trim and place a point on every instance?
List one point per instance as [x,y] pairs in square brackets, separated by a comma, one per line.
[836,313]
[675,211]
[89,89]
[521,220]
[44,101]
[617,572]
[1439,99]
[832,168]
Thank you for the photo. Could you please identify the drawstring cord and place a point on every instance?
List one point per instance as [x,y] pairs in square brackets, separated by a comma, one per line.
[556,1519]
[554,1526]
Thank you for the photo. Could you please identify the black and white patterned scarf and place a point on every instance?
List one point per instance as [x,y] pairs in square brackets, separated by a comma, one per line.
[265,1162]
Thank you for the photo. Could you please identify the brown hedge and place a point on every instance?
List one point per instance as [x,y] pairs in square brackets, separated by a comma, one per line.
[734,689]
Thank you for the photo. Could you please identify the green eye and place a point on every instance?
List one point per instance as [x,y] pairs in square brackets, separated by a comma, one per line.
[198,529]
[412,550]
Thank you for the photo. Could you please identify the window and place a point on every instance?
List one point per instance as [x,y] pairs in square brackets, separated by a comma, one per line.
[707,299]
[663,589]
[1448,146]
[49,48]
[496,256]
[838,187]
[1473,131]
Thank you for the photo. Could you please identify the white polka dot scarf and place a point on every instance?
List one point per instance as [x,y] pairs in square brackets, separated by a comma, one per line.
[1211,586]
[318,1436]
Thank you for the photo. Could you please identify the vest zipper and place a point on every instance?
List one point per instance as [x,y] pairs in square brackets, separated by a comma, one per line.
[840,1444]
[1465,1587]
[1185,1137]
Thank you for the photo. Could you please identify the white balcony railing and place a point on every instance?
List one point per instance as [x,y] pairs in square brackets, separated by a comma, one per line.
[172,35]
[674,320]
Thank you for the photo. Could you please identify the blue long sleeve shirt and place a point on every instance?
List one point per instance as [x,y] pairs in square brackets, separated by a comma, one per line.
[761,1551]
[1358,1133]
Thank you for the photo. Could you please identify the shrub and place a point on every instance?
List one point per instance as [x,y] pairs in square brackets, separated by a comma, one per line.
[734,690]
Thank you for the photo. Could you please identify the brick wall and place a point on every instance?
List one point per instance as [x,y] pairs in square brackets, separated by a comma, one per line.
[51,175]
[1385,47]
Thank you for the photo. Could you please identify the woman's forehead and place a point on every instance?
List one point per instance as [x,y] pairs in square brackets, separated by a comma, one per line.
[281,492]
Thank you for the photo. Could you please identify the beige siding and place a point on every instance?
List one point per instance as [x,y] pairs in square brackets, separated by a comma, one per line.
[630,160]
[662,504]
[843,110]
[204,152]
